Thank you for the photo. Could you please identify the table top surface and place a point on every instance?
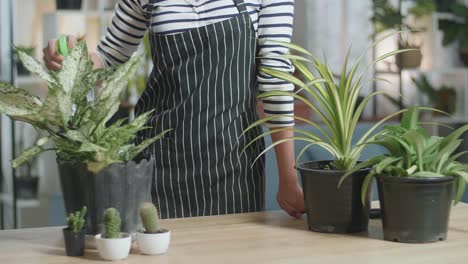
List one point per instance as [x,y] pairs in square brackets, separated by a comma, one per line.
[265,237]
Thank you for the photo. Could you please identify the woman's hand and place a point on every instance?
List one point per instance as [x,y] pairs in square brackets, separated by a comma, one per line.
[52,58]
[291,198]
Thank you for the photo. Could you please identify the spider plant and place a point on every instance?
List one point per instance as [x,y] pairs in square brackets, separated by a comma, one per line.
[336,105]
[413,153]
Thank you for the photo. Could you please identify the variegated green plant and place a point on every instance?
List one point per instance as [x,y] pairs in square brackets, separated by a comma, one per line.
[413,153]
[336,105]
[77,126]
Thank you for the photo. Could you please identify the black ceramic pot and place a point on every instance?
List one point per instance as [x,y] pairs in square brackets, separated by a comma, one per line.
[331,209]
[74,242]
[123,186]
[415,210]
[68,4]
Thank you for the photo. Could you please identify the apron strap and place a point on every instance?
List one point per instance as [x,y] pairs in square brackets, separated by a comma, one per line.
[149,12]
[240,6]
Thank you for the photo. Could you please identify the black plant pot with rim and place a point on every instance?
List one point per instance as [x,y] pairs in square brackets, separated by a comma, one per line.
[331,209]
[123,186]
[74,242]
[415,210]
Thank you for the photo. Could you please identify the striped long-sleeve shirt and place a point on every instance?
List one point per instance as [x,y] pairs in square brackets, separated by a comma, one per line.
[272,20]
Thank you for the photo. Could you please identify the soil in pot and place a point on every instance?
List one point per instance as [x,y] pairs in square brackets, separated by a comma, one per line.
[26,187]
[123,186]
[331,209]
[415,210]
[153,243]
[74,242]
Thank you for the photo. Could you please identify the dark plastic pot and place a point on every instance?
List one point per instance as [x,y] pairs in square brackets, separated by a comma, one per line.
[329,209]
[123,186]
[415,210]
[74,243]
[409,59]
[26,187]
[68,4]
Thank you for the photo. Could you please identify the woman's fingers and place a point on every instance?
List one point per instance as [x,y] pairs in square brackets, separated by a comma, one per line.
[52,58]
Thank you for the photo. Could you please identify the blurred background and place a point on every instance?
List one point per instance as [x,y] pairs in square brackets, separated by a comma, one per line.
[436,75]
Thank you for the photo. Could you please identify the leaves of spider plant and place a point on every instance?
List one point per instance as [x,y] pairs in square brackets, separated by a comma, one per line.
[460,186]
[379,167]
[365,186]
[410,118]
[427,174]
[366,164]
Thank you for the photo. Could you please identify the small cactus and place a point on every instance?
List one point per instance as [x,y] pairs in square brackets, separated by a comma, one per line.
[111,223]
[149,217]
[76,220]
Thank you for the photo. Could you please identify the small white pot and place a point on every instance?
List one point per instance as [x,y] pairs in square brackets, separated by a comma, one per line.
[114,248]
[153,244]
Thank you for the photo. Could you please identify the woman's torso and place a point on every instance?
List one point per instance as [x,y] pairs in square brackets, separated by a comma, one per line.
[175,16]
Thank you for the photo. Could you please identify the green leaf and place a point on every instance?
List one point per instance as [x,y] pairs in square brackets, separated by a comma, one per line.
[366,164]
[137,149]
[427,174]
[27,155]
[410,118]
[35,67]
[460,189]
[19,104]
[365,186]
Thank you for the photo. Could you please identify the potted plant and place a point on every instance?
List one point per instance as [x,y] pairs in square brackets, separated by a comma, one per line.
[97,161]
[328,208]
[410,59]
[152,240]
[112,244]
[22,71]
[74,233]
[456,30]
[416,180]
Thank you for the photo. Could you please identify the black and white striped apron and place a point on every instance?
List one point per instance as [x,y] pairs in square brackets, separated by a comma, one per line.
[203,86]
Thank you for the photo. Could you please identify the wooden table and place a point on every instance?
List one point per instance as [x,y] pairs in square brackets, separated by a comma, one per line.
[267,237]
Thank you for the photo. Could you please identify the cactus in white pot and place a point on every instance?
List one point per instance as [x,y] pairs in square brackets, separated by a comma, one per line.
[153,240]
[112,244]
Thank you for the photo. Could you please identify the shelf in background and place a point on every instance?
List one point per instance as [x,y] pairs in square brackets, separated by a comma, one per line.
[82,13]
[21,203]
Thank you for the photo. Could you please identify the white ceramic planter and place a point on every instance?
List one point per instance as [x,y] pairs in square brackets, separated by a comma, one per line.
[153,244]
[114,248]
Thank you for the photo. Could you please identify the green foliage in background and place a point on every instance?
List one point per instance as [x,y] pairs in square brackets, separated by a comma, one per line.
[386,16]
[456,29]
[77,127]
[413,153]
[443,98]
